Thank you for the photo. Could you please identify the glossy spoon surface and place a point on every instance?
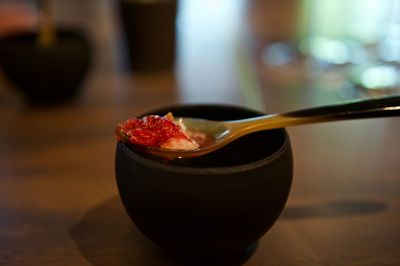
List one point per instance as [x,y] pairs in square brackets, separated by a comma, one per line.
[221,133]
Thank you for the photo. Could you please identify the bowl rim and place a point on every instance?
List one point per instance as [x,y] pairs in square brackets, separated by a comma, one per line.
[206,170]
[61,31]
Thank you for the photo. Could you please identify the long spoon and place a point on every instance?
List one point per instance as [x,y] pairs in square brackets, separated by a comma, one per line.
[221,133]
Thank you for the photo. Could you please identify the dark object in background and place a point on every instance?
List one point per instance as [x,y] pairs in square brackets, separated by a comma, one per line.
[150,29]
[46,74]
[215,206]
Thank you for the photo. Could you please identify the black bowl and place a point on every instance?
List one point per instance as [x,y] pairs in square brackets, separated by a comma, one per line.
[46,75]
[220,204]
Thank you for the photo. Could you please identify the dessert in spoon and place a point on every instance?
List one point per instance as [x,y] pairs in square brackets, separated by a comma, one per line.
[187,137]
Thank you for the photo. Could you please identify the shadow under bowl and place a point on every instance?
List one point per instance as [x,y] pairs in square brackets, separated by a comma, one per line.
[46,74]
[219,204]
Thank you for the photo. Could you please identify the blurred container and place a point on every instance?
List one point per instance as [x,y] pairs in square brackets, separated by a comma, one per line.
[274,20]
[46,74]
[150,30]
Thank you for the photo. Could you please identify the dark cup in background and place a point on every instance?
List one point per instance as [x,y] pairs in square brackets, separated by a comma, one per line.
[150,29]
[46,75]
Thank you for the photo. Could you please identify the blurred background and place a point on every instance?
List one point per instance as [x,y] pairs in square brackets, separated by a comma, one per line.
[222,51]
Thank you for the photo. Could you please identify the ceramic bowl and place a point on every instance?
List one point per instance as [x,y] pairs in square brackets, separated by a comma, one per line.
[218,204]
[46,75]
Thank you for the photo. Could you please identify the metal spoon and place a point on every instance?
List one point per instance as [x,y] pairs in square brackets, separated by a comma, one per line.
[223,132]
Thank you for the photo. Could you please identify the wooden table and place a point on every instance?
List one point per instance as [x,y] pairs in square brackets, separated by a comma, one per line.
[59,203]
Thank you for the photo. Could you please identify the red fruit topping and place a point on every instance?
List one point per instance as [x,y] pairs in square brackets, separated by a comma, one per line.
[152,130]
[143,137]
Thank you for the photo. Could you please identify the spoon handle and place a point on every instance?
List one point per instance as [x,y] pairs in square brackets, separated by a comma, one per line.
[46,35]
[381,107]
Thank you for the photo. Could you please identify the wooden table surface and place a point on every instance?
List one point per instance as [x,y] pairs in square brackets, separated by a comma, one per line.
[59,203]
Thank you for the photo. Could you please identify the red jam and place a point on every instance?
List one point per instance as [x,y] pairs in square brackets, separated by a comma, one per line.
[152,131]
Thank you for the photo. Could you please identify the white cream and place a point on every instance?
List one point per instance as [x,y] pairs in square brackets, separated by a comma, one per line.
[180,144]
[188,143]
